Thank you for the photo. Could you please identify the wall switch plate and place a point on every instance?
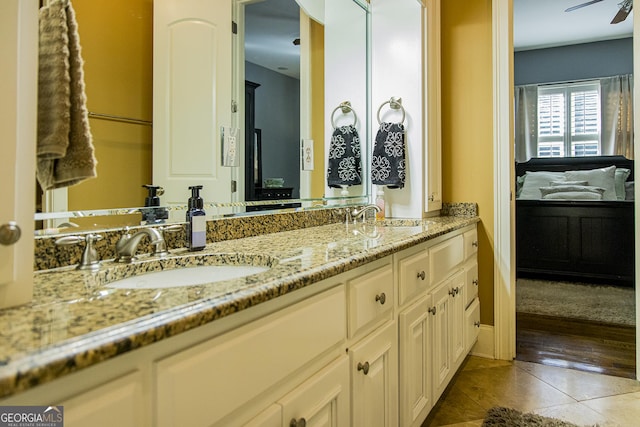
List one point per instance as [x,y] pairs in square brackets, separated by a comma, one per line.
[229,143]
[307,154]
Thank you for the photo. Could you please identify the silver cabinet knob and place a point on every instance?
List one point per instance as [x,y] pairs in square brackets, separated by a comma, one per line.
[476,324]
[475,282]
[381,298]
[432,310]
[474,243]
[9,233]
[422,275]
[364,367]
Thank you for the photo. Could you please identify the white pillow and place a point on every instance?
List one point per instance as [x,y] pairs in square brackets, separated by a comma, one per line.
[573,195]
[556,183]
[545,191]
[534,180]
[629,190]
[621,177]
[602,177]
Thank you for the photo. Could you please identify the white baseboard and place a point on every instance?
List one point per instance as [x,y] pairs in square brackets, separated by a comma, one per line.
[485,346]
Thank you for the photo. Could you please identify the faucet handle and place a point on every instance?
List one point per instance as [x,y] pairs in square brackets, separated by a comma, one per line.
[89,259]
[160,248]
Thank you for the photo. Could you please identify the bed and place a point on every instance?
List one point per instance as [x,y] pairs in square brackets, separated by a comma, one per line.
[564,233]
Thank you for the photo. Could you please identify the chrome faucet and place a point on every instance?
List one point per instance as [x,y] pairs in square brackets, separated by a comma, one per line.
[128,244]
[353,215]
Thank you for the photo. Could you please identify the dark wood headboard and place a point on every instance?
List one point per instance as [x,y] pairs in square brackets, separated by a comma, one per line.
[561,164]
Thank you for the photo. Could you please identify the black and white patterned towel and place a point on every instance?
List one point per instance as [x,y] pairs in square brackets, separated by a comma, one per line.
[345,167]
[388,165]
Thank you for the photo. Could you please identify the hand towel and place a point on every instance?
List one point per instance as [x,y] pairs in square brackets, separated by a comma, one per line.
[345,167]
[65,145]
[388,165]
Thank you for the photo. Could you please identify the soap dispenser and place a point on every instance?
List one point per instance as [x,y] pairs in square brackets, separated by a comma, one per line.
[152,212]
[196,221]
[380,204]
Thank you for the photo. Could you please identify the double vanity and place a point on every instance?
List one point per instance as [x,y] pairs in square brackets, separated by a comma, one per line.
[355,324]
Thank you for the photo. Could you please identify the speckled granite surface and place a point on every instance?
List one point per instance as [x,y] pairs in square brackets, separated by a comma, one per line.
[75,321]
[48,255]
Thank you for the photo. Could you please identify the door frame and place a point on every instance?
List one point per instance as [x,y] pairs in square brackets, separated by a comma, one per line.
[504,254]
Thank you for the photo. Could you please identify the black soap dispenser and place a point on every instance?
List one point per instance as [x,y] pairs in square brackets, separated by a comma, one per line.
[196,221]
[152,213]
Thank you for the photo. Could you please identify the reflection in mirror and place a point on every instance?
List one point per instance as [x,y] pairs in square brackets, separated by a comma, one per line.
[119,82]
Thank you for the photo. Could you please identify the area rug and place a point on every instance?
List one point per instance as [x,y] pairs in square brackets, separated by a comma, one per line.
[599,303]
[499,416]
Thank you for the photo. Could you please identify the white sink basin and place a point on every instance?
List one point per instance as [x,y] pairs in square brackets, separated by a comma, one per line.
[190,276]
[180,271]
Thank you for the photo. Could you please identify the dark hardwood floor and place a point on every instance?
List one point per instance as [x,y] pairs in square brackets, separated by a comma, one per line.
[576,344]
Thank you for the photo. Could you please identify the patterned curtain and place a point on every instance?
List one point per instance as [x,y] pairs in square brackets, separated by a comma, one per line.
[526,122]
[616,97]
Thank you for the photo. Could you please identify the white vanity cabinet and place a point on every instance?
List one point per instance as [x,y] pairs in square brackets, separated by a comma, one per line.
[471,300]
[432,319]
[373,346]
[203,385]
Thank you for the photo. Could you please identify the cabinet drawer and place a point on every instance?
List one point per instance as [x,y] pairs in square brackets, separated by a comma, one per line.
[470,243]
[471,282]
[472,324]
[370,299]
[199,386]
[413,276]
[444,258]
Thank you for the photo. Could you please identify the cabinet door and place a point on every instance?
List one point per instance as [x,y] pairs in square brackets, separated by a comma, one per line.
[472,324]
[456,293]
[441,311]
[471,281]
[18,85]
[321,401]
[374,375]
[415,363]
[120,399]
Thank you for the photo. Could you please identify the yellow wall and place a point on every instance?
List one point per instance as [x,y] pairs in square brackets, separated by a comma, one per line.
[317,108]
[467,128]
[117,47]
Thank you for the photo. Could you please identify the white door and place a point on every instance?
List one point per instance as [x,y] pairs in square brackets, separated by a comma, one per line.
[18,86]
[191,97]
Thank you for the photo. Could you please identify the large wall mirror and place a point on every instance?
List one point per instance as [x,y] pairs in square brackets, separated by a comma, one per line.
[293,59]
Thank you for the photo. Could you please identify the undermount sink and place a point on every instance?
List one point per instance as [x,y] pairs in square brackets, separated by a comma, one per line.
[402,222]
[191,271]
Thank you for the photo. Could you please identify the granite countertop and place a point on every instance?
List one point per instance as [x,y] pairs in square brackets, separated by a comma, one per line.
[74,321]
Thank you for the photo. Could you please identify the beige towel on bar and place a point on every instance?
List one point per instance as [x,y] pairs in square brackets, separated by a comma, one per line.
[65,148]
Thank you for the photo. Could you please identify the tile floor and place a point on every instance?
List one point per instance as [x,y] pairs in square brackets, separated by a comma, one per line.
[579,397]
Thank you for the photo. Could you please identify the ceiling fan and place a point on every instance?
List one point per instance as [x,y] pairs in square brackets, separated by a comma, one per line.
[625,9]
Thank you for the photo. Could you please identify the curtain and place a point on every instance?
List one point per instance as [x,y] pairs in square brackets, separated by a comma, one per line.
[616,97]
[526,122]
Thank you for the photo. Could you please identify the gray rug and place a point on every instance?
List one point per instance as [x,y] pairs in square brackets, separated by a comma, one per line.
[600,303]
[499,416]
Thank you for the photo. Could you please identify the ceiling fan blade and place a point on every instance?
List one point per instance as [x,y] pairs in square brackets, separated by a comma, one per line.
[582,5]
[622,14]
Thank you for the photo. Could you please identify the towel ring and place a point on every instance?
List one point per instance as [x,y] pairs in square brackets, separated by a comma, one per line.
[346,108]
[395,104]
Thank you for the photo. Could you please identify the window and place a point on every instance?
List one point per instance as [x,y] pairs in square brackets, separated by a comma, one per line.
[569,120]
